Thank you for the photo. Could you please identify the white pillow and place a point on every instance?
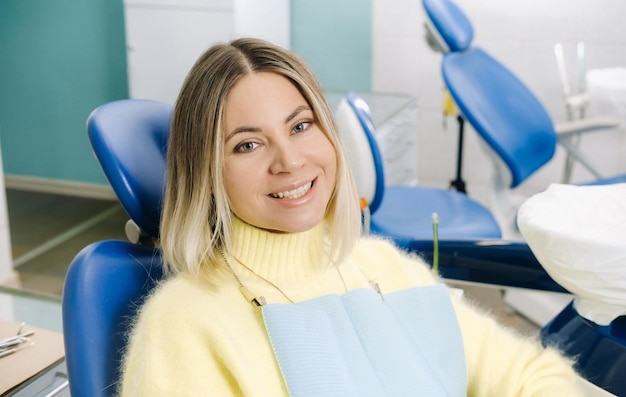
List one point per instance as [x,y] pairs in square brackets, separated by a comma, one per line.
[578,234]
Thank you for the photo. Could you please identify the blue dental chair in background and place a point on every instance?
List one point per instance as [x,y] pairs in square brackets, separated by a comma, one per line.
[404,212]
[469,246]
[522,138]
[511,121]
[108,280]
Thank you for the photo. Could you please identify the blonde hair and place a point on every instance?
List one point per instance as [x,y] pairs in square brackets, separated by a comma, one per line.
[196,221]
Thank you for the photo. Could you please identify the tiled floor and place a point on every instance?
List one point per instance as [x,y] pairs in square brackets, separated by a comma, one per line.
[48,230]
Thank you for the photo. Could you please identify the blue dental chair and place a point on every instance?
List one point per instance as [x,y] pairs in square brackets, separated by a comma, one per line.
[404,212]
[522,138]
[108,280]
[504,112]
[469,247]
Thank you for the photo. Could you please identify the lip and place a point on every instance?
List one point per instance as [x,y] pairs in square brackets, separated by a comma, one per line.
[294,186]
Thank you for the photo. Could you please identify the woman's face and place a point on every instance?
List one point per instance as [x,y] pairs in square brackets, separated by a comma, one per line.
[279,167]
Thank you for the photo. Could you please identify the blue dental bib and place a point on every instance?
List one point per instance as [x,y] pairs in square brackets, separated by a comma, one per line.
[363,344]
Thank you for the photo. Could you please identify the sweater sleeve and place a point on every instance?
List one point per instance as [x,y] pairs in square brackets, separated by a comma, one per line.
[166,351]
[501,362]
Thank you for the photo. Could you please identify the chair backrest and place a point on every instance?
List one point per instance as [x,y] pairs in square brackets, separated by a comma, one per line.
[108,280]
[129,138]
[447,23]
[357,133]
[502,110]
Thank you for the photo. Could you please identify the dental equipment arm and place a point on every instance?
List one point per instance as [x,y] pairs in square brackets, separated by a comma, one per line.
[495,262]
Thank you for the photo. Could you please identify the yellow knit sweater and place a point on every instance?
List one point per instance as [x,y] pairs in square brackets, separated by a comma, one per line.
[193,339]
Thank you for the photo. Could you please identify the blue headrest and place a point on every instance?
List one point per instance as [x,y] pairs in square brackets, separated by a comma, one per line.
[129,138]
[362,113]
[502,110]
[452,25]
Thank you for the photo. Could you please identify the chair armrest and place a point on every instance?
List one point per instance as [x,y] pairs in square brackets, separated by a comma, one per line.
[567,129]
[572,129]
[497,262]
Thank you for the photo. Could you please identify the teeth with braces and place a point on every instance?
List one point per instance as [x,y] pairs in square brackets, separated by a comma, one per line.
[293,194]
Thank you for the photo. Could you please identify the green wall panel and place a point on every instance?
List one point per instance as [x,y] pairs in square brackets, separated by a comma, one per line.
[59,59]
[335,38]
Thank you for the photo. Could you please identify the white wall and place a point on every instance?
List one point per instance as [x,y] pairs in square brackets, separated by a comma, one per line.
[519,33]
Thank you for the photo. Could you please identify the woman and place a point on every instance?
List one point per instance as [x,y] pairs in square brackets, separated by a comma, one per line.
[261,211]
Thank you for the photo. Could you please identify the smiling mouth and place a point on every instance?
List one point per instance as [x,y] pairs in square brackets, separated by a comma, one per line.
[293,194]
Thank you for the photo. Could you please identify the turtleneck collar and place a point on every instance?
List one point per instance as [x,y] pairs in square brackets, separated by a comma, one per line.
[279,256]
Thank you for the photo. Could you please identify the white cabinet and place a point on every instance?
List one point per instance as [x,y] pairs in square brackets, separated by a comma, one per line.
[165,37]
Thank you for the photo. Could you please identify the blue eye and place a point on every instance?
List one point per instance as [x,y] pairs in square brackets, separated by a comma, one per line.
[301,126]
[246,147]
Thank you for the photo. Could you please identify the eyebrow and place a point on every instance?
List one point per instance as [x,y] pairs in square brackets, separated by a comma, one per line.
[296,112]
[291,116]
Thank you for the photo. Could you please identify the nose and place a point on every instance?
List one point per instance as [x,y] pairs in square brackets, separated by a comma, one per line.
[287,157]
